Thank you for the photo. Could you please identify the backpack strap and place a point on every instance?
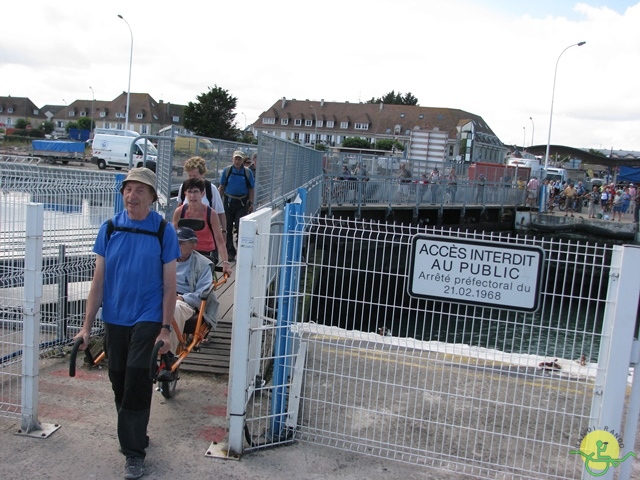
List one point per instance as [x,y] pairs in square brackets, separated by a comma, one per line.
[159,234]
[227,174]
[208,189]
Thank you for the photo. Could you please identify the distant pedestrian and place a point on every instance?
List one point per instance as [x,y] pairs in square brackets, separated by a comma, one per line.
[237,188]
[481,182]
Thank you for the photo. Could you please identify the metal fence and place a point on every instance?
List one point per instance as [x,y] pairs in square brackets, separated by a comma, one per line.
[76,202]
[341,355]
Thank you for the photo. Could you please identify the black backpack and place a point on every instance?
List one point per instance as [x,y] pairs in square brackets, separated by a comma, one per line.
[227,175]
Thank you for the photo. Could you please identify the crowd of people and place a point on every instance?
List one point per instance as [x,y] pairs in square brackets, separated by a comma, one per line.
[605,201]
[149,276]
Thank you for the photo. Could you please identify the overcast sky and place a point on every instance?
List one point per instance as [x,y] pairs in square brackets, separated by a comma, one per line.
[494,58]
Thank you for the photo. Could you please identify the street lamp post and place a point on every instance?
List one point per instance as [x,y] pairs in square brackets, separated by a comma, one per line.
[553,92]
[315,130]
[245,123]
[524,133]
[93,99]
[126,120]
[533,129]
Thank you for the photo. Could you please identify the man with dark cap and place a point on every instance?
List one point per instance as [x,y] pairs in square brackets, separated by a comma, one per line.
[193,277]
[135,284]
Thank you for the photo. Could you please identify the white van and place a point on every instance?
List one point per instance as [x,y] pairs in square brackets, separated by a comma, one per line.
[110,150]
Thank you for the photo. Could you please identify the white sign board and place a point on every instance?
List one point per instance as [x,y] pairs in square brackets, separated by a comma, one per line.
[476,272]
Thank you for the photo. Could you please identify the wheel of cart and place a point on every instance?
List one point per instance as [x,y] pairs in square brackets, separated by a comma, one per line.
[164,369]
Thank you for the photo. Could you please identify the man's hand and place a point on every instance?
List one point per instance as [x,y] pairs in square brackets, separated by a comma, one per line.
[84,335]
[165,337]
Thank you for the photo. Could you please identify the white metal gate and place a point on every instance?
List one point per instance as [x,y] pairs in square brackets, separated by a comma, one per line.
[360,365]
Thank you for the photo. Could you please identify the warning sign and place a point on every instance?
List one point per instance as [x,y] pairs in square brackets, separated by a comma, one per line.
[476,272]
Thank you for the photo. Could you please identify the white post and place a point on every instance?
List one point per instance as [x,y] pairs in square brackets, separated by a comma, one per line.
[251,239]
[29,424]
[616,346]
[31,309]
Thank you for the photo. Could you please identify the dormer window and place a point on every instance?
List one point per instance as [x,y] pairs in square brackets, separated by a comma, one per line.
[297,122]
[139,116]
[344,124]
[284,121]
[308,123]
[361,126]
[103,114]
[10,110]
[83,113]
[329,123]
[36,111]
[268,120]
[176,118]
[72,113]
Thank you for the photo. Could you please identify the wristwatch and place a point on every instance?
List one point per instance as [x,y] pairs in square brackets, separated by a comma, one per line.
[168,327]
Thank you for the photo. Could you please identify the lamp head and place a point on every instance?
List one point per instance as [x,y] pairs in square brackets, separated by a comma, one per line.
[581,43]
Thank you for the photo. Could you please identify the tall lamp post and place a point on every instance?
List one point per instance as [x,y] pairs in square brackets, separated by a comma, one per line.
[315,130]
[93,99]
[533,129]
[553,92]
[126,120]
[524,133]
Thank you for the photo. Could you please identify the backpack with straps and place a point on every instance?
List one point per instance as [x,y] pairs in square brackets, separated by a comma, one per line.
[159,234]
[228,173]
[183,212]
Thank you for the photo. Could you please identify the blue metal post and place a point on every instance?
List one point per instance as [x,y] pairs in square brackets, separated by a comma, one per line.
[290,256]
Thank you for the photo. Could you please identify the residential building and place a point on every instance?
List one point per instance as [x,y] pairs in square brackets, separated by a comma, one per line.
[468,137]
[146,115]
[14,108]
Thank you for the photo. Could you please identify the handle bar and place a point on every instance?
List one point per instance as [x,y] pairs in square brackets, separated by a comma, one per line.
[74,354]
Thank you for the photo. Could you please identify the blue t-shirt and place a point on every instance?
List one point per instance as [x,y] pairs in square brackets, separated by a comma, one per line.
[237,185]
[133,269]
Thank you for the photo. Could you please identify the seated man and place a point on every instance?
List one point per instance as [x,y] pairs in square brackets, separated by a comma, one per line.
[193,276]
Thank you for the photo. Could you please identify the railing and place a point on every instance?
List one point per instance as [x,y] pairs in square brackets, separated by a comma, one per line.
[382,190]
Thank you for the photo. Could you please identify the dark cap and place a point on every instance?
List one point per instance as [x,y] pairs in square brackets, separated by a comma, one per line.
[186,234]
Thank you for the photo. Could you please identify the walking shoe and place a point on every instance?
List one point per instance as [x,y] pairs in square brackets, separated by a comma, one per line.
[133,467]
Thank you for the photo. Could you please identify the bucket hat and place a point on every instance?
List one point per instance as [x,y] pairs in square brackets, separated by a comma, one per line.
[142,175]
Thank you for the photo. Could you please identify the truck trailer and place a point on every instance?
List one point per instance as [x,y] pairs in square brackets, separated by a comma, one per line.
[58,150]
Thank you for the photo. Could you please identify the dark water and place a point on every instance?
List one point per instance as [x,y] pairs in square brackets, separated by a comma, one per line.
[361,285]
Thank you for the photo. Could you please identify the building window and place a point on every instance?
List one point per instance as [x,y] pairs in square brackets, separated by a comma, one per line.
[10,110]
[107,125]
[268,120]
[143,129]
[296,136]
[329,138]
[307,138]
[319,123]
[329,123]
[361,126]
[402,115]
[284,121]
[36,112]
[119,126]
[176,118]
[103,114]
[72,113]
[344,124]
[1,109]
[308,123]
[139,116]
[83,114]
[297,122]
[421,116]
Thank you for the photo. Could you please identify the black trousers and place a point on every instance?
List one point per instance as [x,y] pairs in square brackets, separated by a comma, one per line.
[129,355]
[234,210]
